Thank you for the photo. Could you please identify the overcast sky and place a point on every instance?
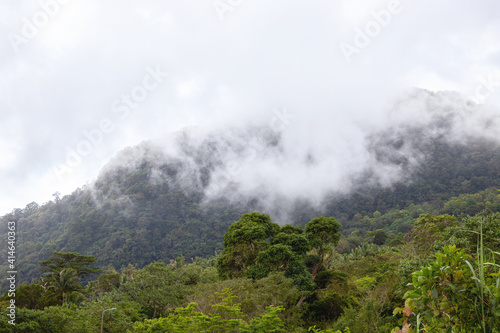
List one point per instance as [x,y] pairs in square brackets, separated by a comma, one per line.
[81,80]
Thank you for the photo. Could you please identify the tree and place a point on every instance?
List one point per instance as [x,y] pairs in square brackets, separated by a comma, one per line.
[243,242]
[252,229]
[291,229]
[467,234]
[57,195]
[33,321]
[33,296]
[275,258]
[322,231]
[155,287]
[59,261]
[428,229]
[451,294]
[255,247]
[227,317]
[108,282]
[297,242]
[65,283]
[378,237]
[30,208]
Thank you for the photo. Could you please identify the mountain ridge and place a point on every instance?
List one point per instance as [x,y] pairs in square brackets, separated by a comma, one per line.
[151,203]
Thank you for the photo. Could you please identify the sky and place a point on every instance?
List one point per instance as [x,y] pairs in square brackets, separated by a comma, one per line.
[82,80]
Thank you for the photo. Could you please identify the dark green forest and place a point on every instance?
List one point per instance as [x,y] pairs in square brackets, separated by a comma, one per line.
[441,276]
[127,216]
[169,258]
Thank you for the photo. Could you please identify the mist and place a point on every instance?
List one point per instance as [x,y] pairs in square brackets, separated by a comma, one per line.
[277,166]
[266,95]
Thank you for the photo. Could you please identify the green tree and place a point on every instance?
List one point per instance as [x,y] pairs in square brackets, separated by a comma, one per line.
[377,237]
[428,229]
[243,242]
[467,234]
[450,294]
[227,317]
[275,258]
[34,296]
[321,232]
[65,283]
[297,242]
[155,287]
[59,261]
[33,321]
[251,229]
[291,229]
[109,281]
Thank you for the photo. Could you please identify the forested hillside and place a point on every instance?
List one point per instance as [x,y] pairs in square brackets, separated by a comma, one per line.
[447,171]
[124,219]
[147,205]
[269,278]
[176,254]
[250,166]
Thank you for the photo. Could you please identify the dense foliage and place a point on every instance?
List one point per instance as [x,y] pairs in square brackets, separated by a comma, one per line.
[441,276]
[148,245]
[144,207]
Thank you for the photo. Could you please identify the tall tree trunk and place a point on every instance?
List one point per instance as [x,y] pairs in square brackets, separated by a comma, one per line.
[316,270]
[154,313]
[301,300]
[314,273]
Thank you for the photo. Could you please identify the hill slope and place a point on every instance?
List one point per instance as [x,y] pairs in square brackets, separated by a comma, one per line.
[149,204]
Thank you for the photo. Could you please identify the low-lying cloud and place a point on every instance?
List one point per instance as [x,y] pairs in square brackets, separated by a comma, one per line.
[231,75]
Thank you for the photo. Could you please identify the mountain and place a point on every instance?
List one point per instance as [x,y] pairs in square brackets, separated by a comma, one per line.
[152,203]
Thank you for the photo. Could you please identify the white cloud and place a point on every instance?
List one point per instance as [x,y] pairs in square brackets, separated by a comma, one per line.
[263,55]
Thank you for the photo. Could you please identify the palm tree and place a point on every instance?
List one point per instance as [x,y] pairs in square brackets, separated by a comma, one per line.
[65,282]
